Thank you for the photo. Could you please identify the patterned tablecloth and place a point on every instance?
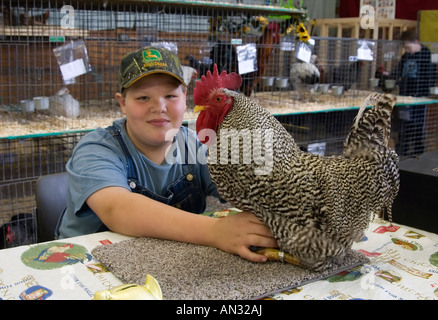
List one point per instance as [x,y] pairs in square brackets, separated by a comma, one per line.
[403,265]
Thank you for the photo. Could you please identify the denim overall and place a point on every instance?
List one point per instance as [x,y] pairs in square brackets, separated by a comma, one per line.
[185,193]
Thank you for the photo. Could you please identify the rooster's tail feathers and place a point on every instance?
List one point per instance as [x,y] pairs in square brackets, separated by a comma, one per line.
[371,127]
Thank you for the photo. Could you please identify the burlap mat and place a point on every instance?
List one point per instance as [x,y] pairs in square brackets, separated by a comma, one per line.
[185,271]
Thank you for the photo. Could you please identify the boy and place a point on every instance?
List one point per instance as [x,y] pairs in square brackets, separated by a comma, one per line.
[415,72]
[120,177]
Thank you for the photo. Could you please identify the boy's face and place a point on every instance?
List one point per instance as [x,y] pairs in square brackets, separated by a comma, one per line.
[153,105]
[412,46]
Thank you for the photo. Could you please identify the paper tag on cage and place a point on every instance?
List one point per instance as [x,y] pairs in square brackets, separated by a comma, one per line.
[73,69]
[364,52]
[247,58]
[246,66]
[287,46]
[304,52]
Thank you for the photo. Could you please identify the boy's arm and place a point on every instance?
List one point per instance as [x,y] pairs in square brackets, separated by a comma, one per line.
[136,215]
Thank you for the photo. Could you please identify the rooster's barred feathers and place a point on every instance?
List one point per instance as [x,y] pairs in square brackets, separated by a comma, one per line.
[315,206]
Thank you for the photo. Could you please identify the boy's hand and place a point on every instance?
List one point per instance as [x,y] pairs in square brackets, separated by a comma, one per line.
[237,233]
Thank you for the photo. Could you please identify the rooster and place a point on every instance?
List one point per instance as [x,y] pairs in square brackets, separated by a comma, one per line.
[225,55]
[347,75]
[18,231]
[315,206]
[305,76]
[221,53]
[15,18]
[265,46]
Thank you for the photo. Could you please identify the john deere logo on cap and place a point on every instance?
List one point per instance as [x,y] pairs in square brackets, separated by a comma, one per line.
[151,55]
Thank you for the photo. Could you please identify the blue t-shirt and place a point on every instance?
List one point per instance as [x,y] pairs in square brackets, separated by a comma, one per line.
[98,161]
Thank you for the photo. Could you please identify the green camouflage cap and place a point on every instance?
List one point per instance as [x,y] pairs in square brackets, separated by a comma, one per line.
[148,60]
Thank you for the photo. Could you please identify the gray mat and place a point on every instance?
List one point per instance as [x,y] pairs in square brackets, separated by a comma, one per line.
[186,271]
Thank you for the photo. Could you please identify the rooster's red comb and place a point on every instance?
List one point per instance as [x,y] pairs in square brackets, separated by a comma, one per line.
[211,81]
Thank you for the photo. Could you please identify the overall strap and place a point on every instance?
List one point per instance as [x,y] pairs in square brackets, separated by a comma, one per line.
[186,145]
[132,176]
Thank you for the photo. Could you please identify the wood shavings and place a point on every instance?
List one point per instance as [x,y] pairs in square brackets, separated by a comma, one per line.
[102,113]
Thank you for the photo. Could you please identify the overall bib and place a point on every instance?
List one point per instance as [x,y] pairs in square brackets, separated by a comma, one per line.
[184,193]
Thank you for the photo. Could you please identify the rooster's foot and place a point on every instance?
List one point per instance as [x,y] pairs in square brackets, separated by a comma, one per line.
[278,255]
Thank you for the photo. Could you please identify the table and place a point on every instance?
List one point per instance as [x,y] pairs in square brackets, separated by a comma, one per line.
[403,265]
[60,269]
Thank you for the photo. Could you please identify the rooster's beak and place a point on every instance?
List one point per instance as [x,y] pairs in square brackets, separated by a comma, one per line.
[199,108]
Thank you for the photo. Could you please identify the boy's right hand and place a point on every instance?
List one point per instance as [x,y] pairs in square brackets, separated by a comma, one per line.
[237,233]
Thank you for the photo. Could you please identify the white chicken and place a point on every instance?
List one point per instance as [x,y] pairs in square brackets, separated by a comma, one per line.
[63,104]
[305,76]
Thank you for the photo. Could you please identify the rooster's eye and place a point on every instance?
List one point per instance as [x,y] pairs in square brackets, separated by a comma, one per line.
[218,99]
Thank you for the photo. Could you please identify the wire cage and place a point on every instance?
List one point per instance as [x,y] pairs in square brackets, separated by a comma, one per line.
[23,161]
[59,73]
[49,46]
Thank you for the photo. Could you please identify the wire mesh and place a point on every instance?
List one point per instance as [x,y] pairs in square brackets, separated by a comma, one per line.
[23,161]
[200,35]
[318,114]
[32,30]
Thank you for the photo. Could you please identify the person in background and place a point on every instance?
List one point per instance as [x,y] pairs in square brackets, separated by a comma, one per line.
[415,74]
[145,175]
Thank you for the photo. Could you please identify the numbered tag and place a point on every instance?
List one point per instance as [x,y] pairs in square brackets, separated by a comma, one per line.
[247,58]
[287,46]
[303,52]
[364,51]
[73,69]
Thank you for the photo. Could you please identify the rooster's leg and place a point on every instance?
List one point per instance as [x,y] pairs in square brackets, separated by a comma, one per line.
[277,255]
